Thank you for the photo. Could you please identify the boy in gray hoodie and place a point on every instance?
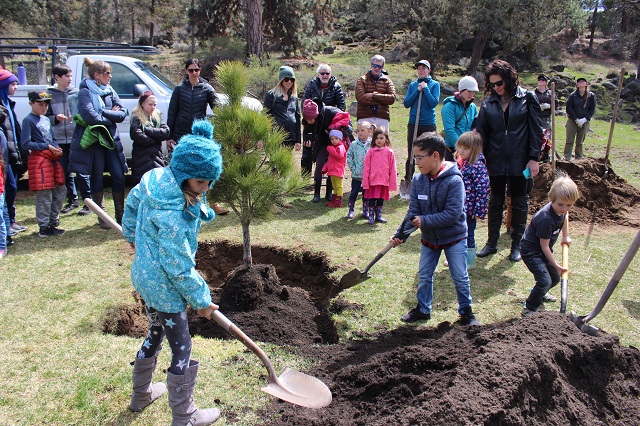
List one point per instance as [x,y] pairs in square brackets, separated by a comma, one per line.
[436,207]
[63,96]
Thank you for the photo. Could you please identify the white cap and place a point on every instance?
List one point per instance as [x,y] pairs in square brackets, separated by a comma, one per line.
[468,83]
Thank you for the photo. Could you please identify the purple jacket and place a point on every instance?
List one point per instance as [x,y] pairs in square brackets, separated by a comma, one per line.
[476,185]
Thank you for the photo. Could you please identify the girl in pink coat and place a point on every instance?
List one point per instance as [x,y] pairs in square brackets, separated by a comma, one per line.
[334,167]
[379,175]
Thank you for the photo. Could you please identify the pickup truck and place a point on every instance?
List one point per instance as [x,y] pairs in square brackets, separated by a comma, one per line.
[131,77]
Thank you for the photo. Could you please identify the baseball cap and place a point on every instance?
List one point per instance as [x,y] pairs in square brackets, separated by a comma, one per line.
[423,62]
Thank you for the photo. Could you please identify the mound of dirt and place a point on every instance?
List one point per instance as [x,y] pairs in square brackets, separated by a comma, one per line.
[539,370]
[604,199]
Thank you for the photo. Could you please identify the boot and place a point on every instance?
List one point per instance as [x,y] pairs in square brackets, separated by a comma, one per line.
[471,257]
[118,204]
[317,184]
[98,198]
[467,317]
[332,202]
[379,217]
[365,212]
[183,409]
[329,186]
[371,216]
[496,205]
[351,213]
[509,214]
[144,393]
[519,206]
[338,202]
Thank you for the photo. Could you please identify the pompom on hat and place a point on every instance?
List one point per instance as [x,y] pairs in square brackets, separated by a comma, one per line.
[6,78]
[309,110]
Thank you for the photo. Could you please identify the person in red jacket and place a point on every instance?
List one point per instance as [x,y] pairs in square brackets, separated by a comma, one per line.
[379,176]
[334,167]
[46,175]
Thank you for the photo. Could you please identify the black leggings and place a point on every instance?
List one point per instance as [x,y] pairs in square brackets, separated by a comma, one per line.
[375,202]
[176,327]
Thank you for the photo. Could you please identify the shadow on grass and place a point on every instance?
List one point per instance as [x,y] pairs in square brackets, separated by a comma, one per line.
[633,307]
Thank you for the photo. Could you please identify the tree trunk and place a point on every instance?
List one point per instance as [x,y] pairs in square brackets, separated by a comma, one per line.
[133,26]
[478,48]
[254,28]
[593,26]
[152,12]
[246,246]
[192,29]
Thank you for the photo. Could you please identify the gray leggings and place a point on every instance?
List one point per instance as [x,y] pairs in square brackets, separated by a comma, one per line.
[176,327]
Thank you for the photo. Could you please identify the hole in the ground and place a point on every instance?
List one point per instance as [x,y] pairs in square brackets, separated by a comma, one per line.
[284,299]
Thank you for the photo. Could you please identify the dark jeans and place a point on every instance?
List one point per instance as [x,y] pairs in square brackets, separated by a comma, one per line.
[69,182]
[177,335]
[11,190]
[409,170]
[102,158]
[356,188]
[471,231]
[545,275]
[321,159]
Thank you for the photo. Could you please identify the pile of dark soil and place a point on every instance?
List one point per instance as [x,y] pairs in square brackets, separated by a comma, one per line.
[539,370]
[604,199]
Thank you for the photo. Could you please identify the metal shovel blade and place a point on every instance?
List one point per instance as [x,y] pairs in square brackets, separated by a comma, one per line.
[405,189]
[352,278]
[299,388]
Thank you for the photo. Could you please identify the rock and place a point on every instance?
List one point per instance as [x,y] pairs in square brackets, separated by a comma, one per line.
[353,109]
[329,50]
[631,91]
[609,86]
[612,74]
[413,52]
[446,89]
[558,67]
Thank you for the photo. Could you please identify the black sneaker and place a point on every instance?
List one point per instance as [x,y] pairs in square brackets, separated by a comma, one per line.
[56,231]
[71,205]
[45,232]
[468,319]
[415,315]
[85,211]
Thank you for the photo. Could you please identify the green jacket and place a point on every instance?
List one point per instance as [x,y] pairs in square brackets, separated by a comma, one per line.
[94,133]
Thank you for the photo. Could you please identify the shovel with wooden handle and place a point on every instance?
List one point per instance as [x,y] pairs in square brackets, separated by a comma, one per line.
[291,386]
[564,280]
[613,122]
[405,184]
[582,322]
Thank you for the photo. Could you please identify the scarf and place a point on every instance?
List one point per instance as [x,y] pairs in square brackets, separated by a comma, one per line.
[97,93]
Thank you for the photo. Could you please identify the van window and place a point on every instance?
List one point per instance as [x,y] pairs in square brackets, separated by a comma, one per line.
[123,80]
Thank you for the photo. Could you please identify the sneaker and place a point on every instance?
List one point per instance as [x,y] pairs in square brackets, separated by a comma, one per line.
[15,226]
[526,312]
[45,232]
[415,315]
[549,298]
[85,211]
[13,232]
[54,222]
[3,253]
[56,231]
[468,319]
[71,205]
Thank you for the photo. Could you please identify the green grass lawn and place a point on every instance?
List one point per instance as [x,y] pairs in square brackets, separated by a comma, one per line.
[59,368]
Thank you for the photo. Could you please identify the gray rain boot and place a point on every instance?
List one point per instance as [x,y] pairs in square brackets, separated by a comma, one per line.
[144,392]
[98,198]
[185,412]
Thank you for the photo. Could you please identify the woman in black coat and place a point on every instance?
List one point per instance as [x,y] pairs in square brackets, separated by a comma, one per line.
[281,103]
[509,122]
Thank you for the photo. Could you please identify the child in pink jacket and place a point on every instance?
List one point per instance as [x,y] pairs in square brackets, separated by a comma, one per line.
[379,175]
[334,167]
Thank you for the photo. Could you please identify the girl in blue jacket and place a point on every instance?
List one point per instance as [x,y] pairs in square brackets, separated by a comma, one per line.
[162,218]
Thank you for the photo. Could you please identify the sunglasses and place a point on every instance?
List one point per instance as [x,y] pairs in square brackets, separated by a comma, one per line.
[325,73]
[107,73]
[193,69]
[287,79]
[376,66]
[498,83]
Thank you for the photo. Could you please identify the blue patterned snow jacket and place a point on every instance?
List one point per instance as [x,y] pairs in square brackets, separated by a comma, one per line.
[163,270]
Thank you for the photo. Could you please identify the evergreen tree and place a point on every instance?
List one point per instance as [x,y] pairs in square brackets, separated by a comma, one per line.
[258,170]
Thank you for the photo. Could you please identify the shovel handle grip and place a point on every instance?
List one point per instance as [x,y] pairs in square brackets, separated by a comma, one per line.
[233,329]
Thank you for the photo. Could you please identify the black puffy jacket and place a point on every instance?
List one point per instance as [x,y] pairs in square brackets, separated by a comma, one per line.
[318,132]
[147,147]
[189,103]
[286,114]
[13,140]
[508,148]
[331,96]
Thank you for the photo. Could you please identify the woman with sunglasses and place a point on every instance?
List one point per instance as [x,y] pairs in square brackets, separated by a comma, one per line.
[509,122]
[98,105]
[189,102]
[281,103]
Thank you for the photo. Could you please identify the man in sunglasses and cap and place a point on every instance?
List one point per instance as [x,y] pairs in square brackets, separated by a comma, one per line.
[375,92]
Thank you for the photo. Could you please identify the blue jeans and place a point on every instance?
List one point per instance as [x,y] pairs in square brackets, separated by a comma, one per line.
[4,223]
[471,231]
[10,191]
[68,176]
[356,188]
[457,258]
[546,277]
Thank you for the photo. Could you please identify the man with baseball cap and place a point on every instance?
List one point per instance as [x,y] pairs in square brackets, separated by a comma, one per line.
[430,90]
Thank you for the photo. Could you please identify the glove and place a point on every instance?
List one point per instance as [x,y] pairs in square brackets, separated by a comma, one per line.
[584,121]
[544,106]
[578,122]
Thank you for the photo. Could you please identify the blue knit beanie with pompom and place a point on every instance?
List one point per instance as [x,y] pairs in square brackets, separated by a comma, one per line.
[197,156]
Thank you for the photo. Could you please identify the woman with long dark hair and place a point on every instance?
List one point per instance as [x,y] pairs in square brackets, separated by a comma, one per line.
[509,122]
